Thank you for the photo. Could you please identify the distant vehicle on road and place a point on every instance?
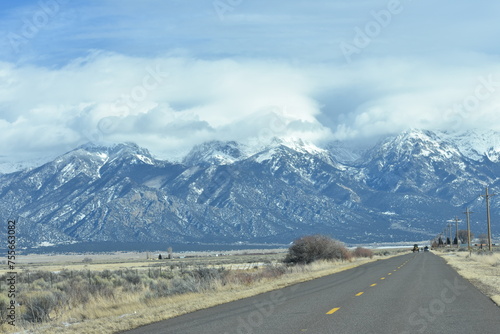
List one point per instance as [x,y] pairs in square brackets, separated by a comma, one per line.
[426,248]
[415,248]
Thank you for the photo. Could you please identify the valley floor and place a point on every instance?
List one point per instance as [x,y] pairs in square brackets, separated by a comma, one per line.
[126,308]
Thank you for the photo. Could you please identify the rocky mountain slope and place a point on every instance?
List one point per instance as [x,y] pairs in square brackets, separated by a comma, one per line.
[404,188]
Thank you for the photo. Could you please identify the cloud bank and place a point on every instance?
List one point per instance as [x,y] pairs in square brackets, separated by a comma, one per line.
[166,104]
[169,104]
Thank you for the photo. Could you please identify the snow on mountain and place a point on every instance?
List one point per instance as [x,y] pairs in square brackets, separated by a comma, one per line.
[214,153]
[296,145]
[475,145]
[436,164]
[300,145]
[414,143]
[472,144]
[226,153]
[7,167]
[347,152]
[401,189]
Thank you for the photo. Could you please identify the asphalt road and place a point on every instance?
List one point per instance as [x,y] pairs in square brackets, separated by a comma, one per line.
[413,293]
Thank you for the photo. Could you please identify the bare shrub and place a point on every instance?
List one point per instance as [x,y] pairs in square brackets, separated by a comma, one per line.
[362,252]
[4,303]
[106,274]
[132,277]
[241,277]
[76,289]
[159,288]
[102,287]
[184,285]
[38,306]
[274,271]
[130,287]
[316,247]
[346,255]
[207,274]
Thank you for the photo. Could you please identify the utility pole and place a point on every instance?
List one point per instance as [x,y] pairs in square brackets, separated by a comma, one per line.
[456,228]
[488,218]
[467,212]
[449,234]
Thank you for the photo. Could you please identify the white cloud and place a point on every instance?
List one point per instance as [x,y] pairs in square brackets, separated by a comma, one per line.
[169,104]
[400,94]
[166,104]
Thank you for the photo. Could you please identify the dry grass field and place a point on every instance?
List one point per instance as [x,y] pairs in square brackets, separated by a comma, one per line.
[481,269]
[140,260]
[115,292]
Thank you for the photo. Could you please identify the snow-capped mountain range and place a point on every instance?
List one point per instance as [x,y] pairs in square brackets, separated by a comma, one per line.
[405,187]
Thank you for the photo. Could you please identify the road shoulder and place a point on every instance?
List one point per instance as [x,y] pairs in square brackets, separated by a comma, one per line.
[483,271]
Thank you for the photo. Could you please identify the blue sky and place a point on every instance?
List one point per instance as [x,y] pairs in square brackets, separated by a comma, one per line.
[174,73]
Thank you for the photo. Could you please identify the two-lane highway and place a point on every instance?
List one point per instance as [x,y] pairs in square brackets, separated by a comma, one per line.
[413,293]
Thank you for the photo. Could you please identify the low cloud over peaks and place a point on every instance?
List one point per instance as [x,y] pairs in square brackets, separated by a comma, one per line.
[167,104]
[170,104]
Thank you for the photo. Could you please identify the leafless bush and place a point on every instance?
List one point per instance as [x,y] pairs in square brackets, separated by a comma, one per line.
[39,306]
[316,247]
[4,303]
[362,252]
[207,274]
[106,274]
[102,287]
[158,288]
[183,285]
[242,277]
[76,289]
[274,271]
[132,277]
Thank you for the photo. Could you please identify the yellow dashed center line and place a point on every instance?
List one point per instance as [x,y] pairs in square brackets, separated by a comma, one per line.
[333,310]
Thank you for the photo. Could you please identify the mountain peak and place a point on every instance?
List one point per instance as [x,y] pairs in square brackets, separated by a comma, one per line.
[476,144]
[214,153]
[298,145]
[473,144]
[416,143]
